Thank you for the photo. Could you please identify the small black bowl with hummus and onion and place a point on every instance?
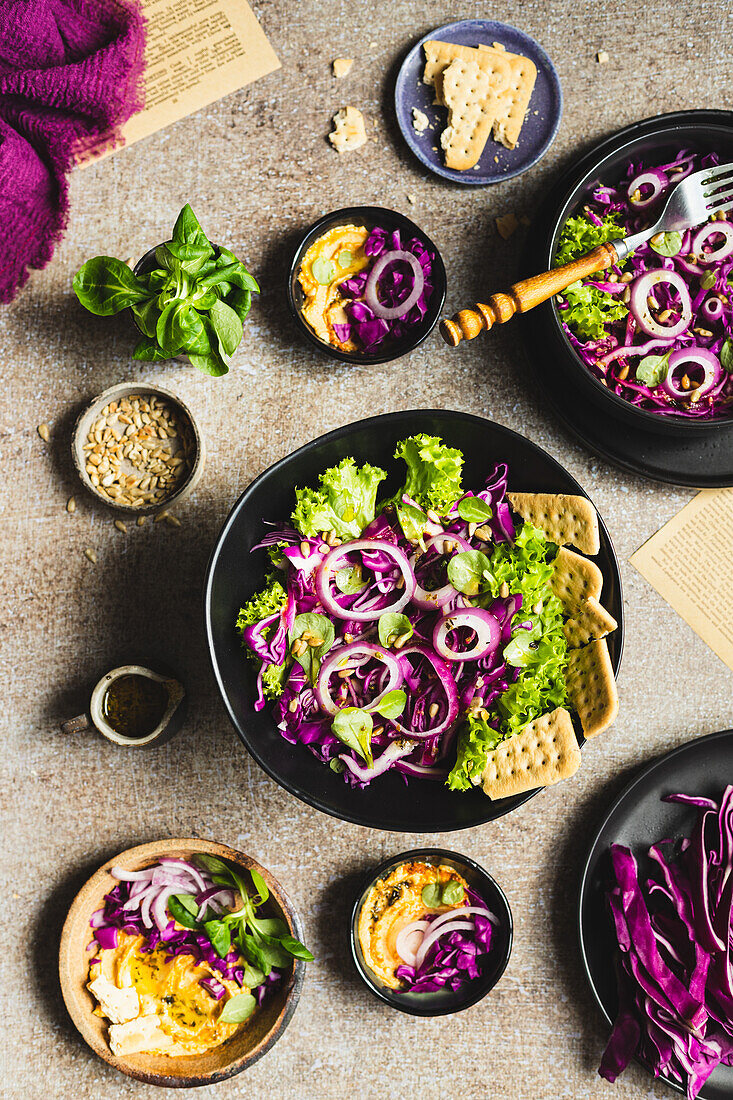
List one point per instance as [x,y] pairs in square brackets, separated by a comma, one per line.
[366,285]
[431,932]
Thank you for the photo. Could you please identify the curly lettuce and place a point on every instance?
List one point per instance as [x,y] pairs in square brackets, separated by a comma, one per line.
[268,601]
[433,471]
[539,651]
[580,235]
[345,502]
[589,309]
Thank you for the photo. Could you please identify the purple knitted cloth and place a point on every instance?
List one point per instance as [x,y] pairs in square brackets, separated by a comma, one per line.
[70,76]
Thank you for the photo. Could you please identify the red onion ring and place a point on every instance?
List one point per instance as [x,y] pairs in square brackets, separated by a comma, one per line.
[652,178]
[699,357]
[482,622]
[435,933]
[382,764]
[339,659]
[402,947]
[421,597]
[722,252]
[387,313]
[445,676]
[639,306]
[329,566]
[712,307]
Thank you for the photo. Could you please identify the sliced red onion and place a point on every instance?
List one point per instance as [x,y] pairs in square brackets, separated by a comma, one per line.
[342,657]
[640,290]
[436,931]
[445,675]
[132,876]
[329,565]
[412,931]
[652,178]
[212,986]
[382,763]
[421,597]
[696,357]
[97,919]
[483,623]
[465,911]
[212,897]
[387,313]
[185,865]
[712,307]
[722,252]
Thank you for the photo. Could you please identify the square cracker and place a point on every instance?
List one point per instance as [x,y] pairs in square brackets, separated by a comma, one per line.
[471,104]
[514,101]
[545,752]
[563,518]
[590,621]
[438,55]
[575,580]
[592,687]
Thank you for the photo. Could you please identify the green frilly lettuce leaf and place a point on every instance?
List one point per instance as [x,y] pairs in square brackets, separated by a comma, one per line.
[344,503]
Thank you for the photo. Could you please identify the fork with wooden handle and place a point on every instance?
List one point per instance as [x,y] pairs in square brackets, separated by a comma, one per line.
[689,203]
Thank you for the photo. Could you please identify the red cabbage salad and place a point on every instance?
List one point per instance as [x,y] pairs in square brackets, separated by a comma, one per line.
[445,950]
[674,965]
[657,329]
[203,908]
[413,636]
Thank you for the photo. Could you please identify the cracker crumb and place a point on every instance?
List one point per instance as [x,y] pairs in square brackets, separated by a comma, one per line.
[373,45]
[496,160]
[411,199]
[342,66]
[506,225]
[602,57]
[420,120]
[349,131]
[524,220]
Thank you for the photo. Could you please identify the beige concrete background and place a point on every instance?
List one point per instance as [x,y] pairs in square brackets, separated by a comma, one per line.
[256,168]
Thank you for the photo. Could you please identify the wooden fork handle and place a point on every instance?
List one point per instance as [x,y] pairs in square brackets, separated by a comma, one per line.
[524,295]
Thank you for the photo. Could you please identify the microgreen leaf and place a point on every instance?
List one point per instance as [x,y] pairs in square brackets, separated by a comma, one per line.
[296,948]
[393,625]
[183,908]
[392,704]
[260,886]
[220,937]
[252,977]
[412,521]
[349,580]
[652,369]
[227,325]
[473,510]
[666,244]
[321,636]
[213,864]
[238,1009]
[726,355]
[467,570]
[431,895]
[708,280]
[105,286]
[353,727]
[147,349]
[452,893]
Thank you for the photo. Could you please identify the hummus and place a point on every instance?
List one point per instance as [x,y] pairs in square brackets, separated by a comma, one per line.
[154,1006]
[335,256]
[391,904]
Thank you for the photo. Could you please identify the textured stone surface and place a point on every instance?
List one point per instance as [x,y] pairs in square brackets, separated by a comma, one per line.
[257,168]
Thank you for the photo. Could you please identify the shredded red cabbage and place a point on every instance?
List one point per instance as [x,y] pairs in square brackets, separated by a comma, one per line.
[454,959]
[674,967]
[366,330]
[615,357]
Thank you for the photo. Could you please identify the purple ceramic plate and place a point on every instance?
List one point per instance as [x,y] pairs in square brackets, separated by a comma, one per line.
[496,163]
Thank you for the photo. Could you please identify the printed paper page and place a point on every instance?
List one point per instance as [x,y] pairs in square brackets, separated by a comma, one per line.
[196,52]
[690,563]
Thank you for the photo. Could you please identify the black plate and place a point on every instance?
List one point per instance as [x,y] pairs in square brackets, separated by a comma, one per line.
[699,456]
[234,574]
[638,819]
[442,1002]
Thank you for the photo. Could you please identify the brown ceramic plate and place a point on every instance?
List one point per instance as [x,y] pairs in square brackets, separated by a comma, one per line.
[245,1047]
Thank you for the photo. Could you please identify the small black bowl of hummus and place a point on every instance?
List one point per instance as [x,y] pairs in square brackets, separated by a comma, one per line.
[366,285]
[417,919]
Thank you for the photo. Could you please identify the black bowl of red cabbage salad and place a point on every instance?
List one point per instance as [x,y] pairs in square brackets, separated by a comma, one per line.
[300,712]
[653,336]
[394,304]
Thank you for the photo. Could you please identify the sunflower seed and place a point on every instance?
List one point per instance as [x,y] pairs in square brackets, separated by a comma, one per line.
[44,431]
[71,505]
[90,555]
